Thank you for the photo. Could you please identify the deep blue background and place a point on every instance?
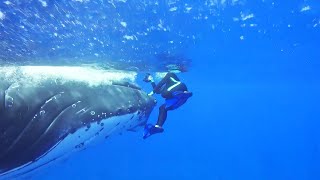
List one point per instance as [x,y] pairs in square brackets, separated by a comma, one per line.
[254,113]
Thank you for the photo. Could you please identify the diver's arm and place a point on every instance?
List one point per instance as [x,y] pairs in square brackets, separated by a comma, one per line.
[157,87]
[164,80]
[153,84]
[148,78]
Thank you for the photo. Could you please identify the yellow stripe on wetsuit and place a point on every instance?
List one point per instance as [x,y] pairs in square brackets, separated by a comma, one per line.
[175,85]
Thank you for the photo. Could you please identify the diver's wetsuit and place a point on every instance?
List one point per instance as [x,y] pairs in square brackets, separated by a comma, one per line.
[175,92]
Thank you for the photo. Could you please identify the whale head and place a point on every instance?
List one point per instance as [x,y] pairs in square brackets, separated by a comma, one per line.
[48,112]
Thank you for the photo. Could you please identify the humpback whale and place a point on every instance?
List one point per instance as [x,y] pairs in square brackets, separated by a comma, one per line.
[48,112]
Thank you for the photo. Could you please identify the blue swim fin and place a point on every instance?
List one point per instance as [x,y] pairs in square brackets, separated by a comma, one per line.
[150,129]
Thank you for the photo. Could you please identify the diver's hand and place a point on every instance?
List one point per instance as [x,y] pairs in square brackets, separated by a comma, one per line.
[148,78]
[151,93]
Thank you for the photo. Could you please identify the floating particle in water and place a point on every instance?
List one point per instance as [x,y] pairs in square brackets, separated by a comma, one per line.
[74,105]
[188,9]
[2,16]
[305,8]
[129,37]
[43,3]
[245,17]
[124,24]
[7,2]
[81,1]
[241,37]
[92,113]
[173,9]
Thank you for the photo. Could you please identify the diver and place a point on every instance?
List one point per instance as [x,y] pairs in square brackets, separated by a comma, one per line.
[175,93]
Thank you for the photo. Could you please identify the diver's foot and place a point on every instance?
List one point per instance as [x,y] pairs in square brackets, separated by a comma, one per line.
[157,129]
[150,129]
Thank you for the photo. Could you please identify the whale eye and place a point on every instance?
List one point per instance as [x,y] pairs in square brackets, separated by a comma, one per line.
[8,101]
[42,112]
[119,111]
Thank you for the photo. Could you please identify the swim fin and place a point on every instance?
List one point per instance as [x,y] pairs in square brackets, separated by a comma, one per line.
[150,129]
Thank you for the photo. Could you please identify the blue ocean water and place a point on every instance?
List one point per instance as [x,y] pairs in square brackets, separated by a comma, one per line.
[253,68]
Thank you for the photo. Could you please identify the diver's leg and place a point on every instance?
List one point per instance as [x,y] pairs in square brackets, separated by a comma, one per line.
[150,129]
[162,116]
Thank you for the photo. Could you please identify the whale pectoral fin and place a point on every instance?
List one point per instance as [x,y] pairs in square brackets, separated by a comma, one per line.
[133,129]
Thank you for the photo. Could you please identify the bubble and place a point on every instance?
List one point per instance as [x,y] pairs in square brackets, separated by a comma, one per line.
[74,105]
[92,113]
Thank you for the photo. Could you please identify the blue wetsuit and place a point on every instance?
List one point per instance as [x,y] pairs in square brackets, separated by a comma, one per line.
[175,93]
